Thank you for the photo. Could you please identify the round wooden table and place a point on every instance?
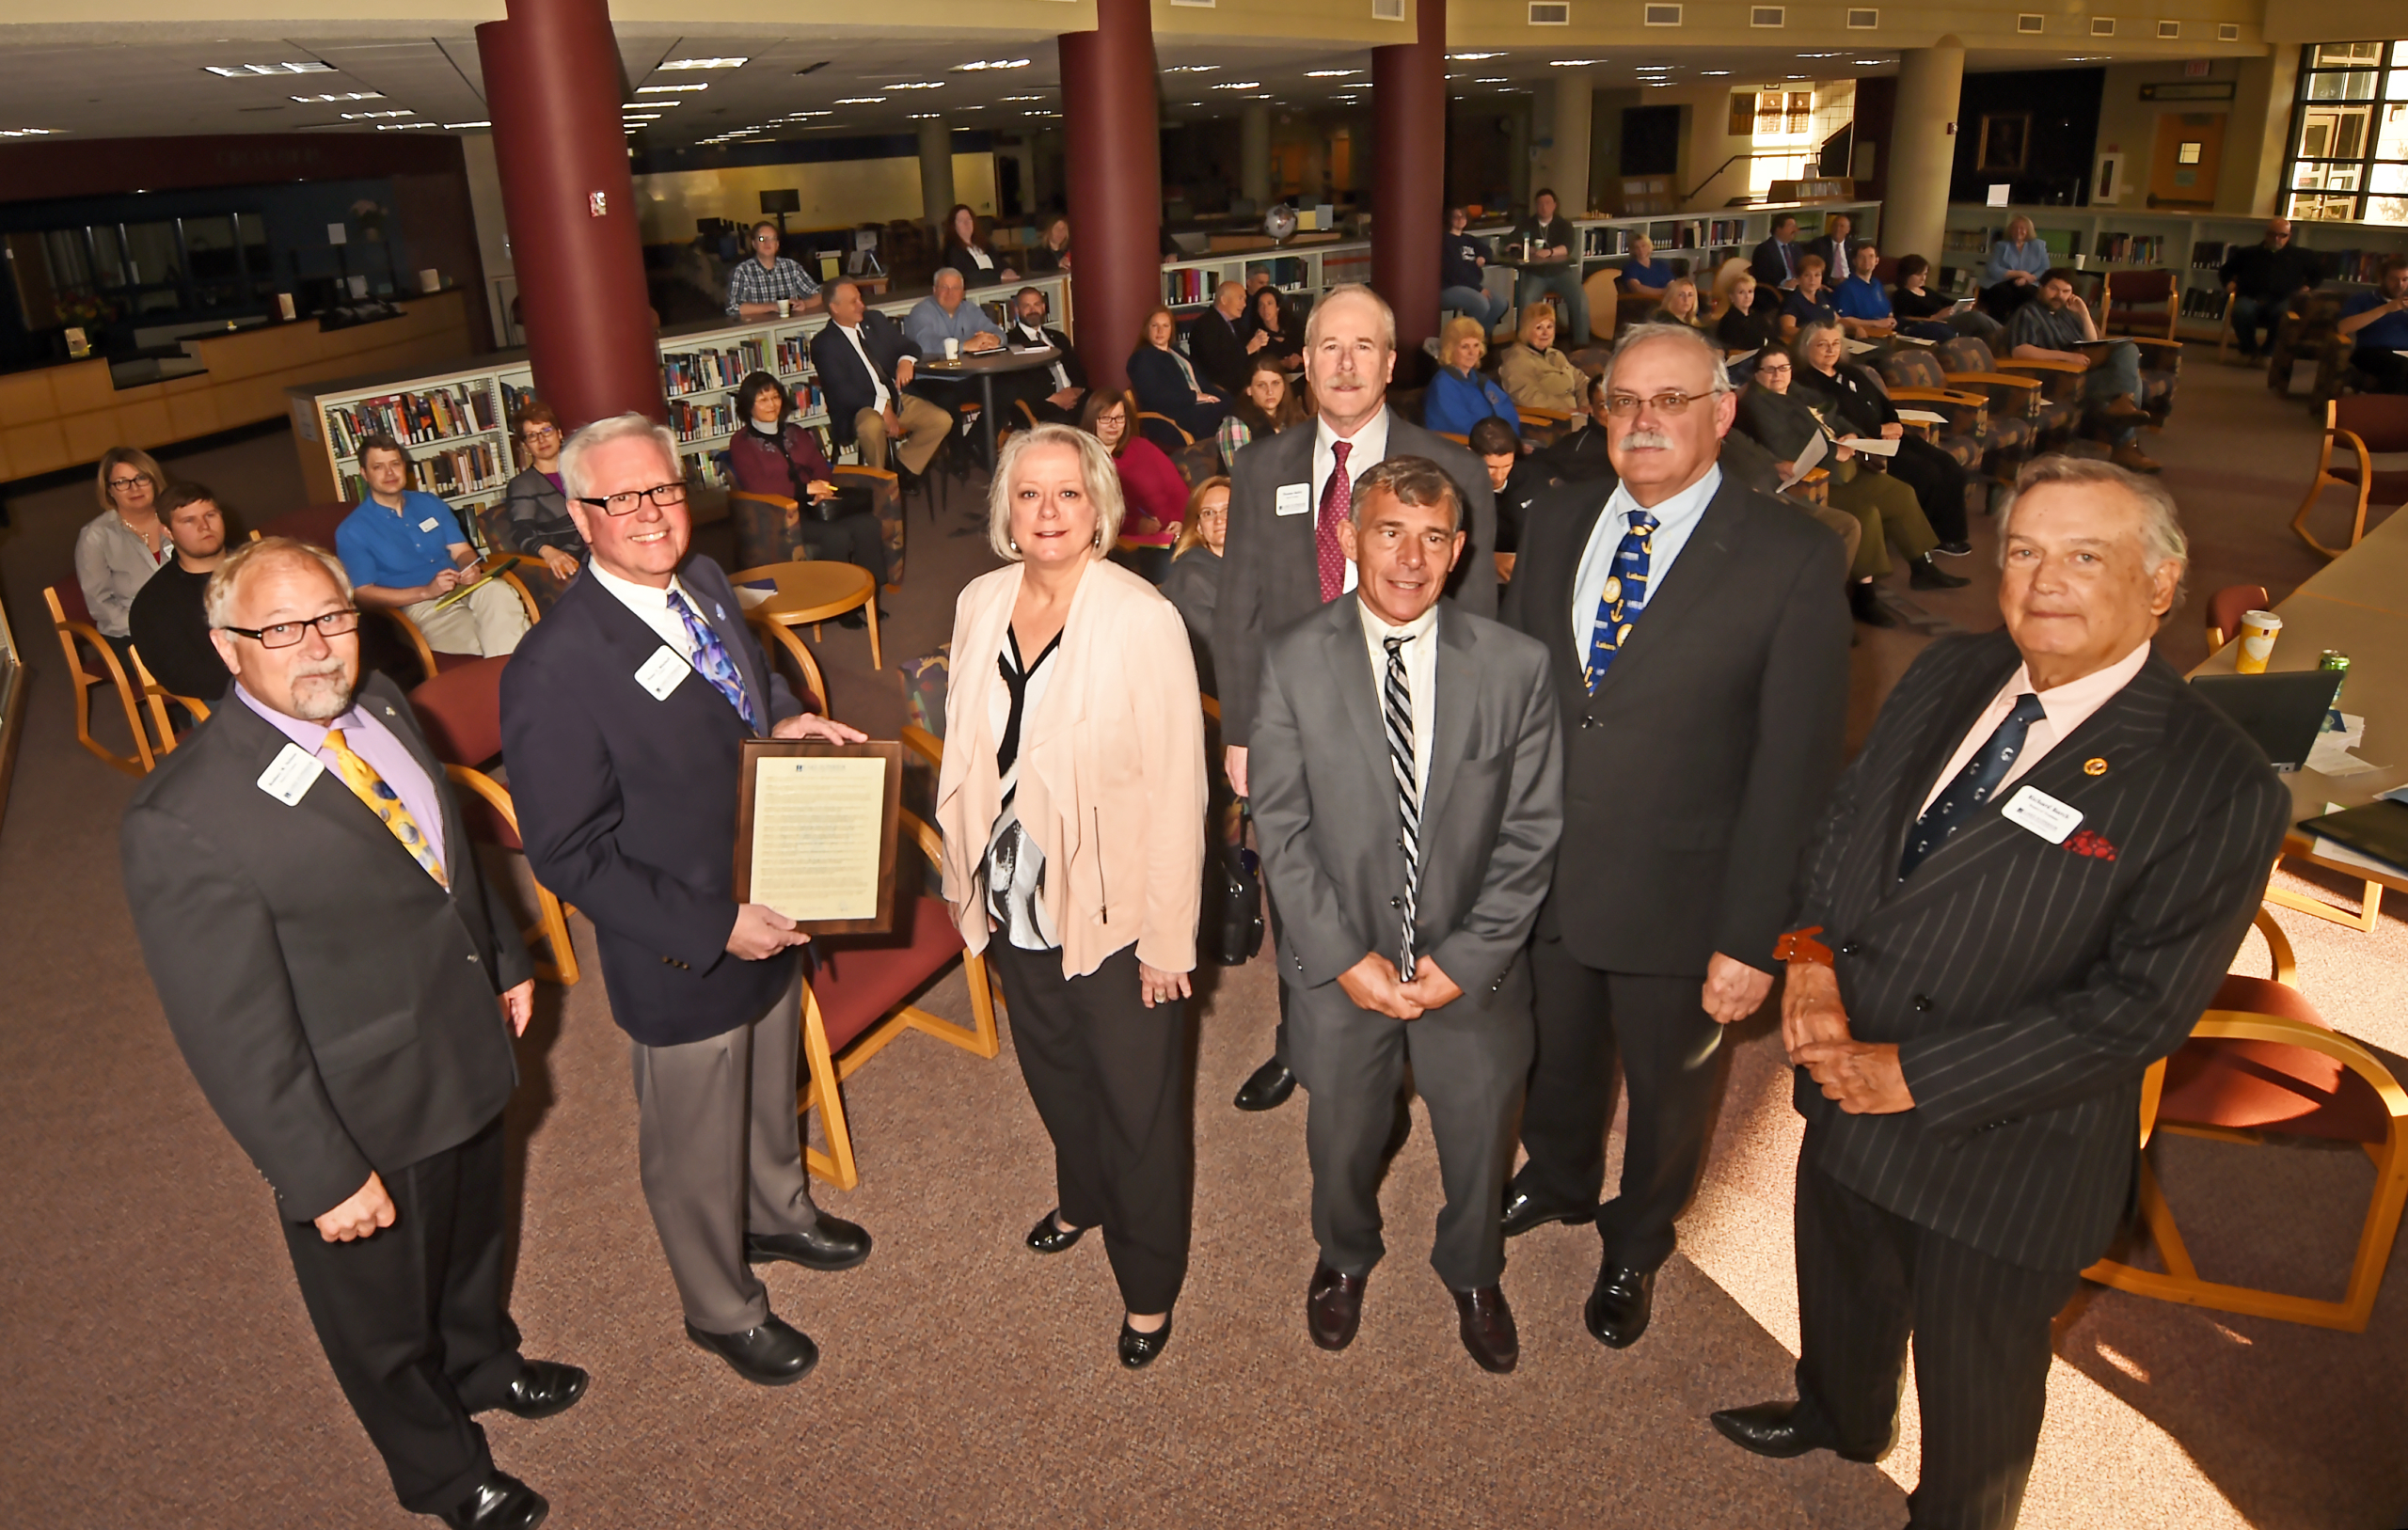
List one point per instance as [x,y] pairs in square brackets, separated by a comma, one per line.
[809,594]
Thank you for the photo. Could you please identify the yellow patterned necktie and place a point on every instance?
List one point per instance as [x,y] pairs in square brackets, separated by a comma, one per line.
[385,803]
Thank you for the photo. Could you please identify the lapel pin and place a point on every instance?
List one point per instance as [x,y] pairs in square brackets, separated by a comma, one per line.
[2094,767]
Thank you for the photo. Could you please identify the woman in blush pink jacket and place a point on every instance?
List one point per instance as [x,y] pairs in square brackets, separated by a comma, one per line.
[1072,806]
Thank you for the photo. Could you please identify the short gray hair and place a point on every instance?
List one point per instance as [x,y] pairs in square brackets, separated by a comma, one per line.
[1681,335]
[1352,289]
[943,271]
[602,432]
[2162,538]
[1096,471]
[217,601]
[1413,481]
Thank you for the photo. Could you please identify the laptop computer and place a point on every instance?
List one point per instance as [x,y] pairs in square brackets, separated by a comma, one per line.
[2283,713]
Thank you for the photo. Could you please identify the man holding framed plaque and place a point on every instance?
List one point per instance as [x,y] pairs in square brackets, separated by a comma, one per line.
[623,717]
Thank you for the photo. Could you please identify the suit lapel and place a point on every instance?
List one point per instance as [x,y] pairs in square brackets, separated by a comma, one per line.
[1349,659]
[1458,677]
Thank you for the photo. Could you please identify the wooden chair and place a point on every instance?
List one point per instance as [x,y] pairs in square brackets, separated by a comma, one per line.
[789,642]
[157,698]
[72,621]
[461,713]
[2261,1058]
[2225,336]
[2225,608]
[433,661]
[1164,431]
[2364,423]
[2137,298]
[858,996]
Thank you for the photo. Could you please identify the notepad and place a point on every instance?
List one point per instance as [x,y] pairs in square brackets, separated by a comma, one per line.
[1922,417]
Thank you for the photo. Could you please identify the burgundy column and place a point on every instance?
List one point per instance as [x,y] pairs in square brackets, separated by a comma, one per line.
[552,74]
[1115,170]
[1409,175]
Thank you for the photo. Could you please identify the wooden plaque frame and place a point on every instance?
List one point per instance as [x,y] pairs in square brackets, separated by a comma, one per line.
[889,822]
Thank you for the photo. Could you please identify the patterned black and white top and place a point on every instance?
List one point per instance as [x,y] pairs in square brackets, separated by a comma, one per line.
[1014,870]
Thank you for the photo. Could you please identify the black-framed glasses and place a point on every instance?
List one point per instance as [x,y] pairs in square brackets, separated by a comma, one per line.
[536,432]
[286,634]
[624,502]
[1670,402]
[127,483]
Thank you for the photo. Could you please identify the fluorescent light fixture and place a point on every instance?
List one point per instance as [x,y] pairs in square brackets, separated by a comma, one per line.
[1023,98]
[922,117]
[1330,73]
[858,100]
[27,133]
[1494,79]
[235,71]
[1870,63]
[810,114]
[703,63]
[978,64]
[1574,63]
[1191,69]
[1239,84]
[404,127]
[1717,73]
[670,89]
[915,84]
[363,117]
[1466,56]
[456,126]
[345,95]
[1819,56]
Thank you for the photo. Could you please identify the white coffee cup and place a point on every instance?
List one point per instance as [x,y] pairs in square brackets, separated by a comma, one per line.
[952,349]
[785,307]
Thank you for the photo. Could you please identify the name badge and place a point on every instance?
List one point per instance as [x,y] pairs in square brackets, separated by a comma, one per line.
[1295,499]
[429,524]
[662,673]
[2043,815]
[290,775]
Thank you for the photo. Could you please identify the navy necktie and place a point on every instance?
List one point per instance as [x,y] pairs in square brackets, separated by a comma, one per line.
[1623,597]
[1973,786]
[712,662]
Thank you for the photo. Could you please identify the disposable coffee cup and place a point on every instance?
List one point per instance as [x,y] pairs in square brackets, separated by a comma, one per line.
[2259,630]
[785,307]
[952,350]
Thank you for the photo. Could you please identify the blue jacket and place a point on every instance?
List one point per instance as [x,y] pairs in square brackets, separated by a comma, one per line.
[1455,403]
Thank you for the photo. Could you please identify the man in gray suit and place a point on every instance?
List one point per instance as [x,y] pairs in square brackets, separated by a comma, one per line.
[1289,499]
[2024,892]
[1407,787]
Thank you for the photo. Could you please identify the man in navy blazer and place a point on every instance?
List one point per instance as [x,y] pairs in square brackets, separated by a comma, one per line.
[622,719]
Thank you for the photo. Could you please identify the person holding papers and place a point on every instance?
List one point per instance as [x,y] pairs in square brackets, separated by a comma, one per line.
[1853,401]
[624,718]
[404,552]
[2376,323]
[2057,326]
[1934,316]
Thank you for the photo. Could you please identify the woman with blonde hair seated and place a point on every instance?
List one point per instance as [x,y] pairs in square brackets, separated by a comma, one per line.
[1195,582]
[118,549]
[1461,395]
[1071,804]
[1537,375]
[1679,305]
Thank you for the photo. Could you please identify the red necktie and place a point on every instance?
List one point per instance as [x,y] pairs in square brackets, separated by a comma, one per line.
[1337,499]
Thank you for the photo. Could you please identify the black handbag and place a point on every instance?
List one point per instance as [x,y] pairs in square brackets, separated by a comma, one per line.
[849,499]
[1231,931]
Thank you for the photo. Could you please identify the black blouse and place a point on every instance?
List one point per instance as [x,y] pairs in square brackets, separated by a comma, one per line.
[1751,330]
[1858,398]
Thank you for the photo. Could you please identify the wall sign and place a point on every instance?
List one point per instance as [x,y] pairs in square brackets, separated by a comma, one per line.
[2187,90]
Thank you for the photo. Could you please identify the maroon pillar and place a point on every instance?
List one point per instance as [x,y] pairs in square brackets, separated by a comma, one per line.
[1115,170]
[552,74]
[1409,175]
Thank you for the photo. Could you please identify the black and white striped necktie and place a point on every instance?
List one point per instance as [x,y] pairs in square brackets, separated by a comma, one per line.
[1399,709]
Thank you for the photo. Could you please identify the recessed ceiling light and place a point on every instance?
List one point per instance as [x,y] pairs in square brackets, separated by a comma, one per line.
[455,126]
[235,71]
[1716,72]
[915,84]
[1494,79]
[363,117]
[346,95]
[1819,56]
[403,127]
[858,100]
[811,113]
[670,89]
[1574,63]
[1023,98]
[704,63]
[1239,84]
[1330,73]
[1870,63]
[978,64]
[922,117]
[1191,69]
[27,133]
[1472,55]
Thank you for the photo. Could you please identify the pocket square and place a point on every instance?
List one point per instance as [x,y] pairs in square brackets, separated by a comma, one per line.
[2091,842]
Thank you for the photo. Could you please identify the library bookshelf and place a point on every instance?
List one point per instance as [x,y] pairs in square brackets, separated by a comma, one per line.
[1302,269]
[1694,243]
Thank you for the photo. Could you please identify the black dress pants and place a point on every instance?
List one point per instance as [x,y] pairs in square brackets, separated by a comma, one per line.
[1109,1077]
[1670,1054]
[1939,482]
[860,540]
[1867,1278]
[412,1321]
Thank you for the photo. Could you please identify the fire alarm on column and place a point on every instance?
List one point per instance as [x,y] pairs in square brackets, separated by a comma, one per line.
[597,203]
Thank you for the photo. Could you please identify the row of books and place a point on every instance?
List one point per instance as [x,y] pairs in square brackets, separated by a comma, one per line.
[2208,254]
[699,372]
[412,418]
[475,467]
[2203,303]
[2132,249]
[1181,288]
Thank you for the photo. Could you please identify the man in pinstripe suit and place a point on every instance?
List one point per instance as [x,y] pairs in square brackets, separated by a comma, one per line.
[2026,889]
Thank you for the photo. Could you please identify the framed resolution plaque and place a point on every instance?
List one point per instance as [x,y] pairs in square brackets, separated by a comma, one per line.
[816,832]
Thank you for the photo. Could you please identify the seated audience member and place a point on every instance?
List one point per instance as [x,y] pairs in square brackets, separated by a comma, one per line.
[1785,421]
[1283,338]
[1194,583]
[1222,342]
[1863,307]
[866,362]
[1750,321]
[1930,315]
[944,316]
[1550,249]
[1051,251]
[1150,486]
[1835,245]
[1534,373]
[2012,275]
[1055,393]
[535,506]
[1641,276]
[1166,384]
[757,286]
[121,548]
[1463,264]
[1461,394]
[1809,300]
[1679,306]
[1515,480]
[2263,279]
[965,253]
[1852,400]
[769,455]
[2057,326]
[403,551]
[1582,457]
[2376,325]
[169,623]
[1579,456]
[1775,260]
[1272,401]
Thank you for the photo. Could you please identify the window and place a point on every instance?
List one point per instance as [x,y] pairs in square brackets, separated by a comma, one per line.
[2349,158]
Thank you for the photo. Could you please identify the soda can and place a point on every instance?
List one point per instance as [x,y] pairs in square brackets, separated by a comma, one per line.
[2333,659]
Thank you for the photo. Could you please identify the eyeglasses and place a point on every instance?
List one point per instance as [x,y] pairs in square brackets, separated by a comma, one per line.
[127,483]
[286,634]
[1624,406]
[661,494]
[536,432]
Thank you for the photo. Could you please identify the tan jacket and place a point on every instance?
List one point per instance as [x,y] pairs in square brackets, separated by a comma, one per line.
[1543,382]
[1111,770]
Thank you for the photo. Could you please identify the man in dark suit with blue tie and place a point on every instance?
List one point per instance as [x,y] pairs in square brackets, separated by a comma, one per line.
[1774,263]
[623,717]
[2022,894]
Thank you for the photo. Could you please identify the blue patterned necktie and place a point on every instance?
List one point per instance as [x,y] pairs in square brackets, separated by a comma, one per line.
[711,661]
[1972,789]
[1396,705]
[1625,597]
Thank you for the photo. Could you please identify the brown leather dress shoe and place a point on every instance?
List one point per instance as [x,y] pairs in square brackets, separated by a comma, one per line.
[2133,459]
[1488,1329]
[2125,407]
[1334,1307]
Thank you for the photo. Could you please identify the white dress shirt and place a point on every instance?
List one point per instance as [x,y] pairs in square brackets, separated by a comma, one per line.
[1370,446]
[1675,518]
[1034,335]
[853,333]
[1420,654]
[653,607]
[2064,709]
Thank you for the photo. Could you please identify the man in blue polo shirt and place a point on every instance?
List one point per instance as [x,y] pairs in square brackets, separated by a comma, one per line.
[2376,326]
[1863,307]
[1644,277]
[403,550]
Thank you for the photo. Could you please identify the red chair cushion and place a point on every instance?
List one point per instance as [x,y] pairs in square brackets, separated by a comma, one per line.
[460,707]
[71,600]
[2227,606]
[859,979]
[312,524]
[2246,1085]
[2380,420]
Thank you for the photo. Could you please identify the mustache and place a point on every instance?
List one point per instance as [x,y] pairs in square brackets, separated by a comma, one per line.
[1644,440]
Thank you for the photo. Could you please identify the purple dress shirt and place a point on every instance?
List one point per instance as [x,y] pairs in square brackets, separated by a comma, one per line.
[374,743]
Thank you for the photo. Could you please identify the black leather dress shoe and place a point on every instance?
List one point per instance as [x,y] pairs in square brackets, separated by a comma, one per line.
[1524,1211]
[1487,1325]
[1922,573]
[1616,1312]
[774,1354]
[1050,1237]
[502,1501]
[1137,1350]
[1267,1087]
[1770,1428]
[1334,1307]
[543,1388]
[833,1243]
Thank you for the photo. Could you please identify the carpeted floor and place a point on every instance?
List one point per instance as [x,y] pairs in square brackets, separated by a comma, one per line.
[158,1368]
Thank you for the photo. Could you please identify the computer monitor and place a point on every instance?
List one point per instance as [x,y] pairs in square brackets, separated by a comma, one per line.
[2283,713]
